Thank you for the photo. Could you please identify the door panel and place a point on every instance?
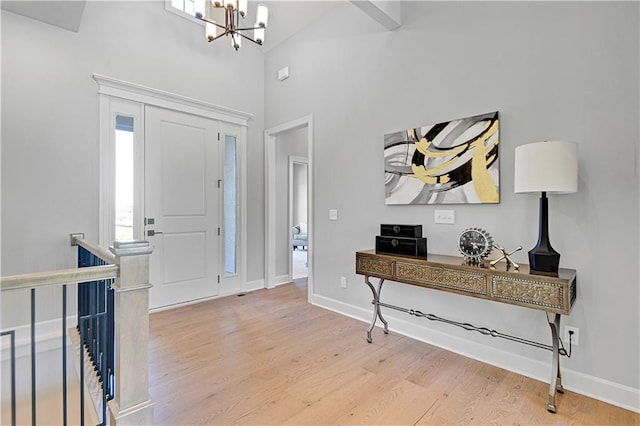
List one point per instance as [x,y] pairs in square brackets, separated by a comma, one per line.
[184,160]
[184,257]
[181,195]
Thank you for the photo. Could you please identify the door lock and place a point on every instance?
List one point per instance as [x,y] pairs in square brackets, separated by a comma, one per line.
[151,233]
[149,221]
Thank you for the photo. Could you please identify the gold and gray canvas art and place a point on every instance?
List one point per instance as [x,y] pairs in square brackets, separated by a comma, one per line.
[453,162]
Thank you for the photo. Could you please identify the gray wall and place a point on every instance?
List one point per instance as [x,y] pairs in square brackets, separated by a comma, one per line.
[292,142]
[554,70]
[50,121]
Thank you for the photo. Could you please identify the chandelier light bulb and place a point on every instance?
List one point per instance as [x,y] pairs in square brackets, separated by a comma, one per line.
[230,4]
[262,15]
[258,34]
[211,31]
[242,7]
[199,8]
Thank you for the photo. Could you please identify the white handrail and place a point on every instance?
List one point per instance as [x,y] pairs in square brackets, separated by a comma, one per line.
[62,276]
[103,254]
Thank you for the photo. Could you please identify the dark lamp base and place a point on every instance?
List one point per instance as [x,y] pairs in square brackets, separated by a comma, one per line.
[544,259]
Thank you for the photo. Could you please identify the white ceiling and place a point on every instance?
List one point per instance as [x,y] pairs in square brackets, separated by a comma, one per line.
[288,17]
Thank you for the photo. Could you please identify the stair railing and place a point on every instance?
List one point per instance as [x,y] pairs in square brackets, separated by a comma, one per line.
[111,336]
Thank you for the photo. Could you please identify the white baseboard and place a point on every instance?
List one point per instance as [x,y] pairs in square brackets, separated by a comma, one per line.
[280,280]
[248,287]
[604,390]
[254,285]
[181,304]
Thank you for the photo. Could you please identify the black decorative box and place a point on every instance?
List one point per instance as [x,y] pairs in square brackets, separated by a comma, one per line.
[405,246]
[413,231]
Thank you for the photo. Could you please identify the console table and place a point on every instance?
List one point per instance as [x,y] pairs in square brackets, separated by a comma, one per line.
[553,294]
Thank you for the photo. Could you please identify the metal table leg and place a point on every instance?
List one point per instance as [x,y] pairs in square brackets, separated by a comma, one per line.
[377,313]
[556,378]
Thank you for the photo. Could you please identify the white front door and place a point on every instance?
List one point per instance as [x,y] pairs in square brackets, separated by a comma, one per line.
[182,171]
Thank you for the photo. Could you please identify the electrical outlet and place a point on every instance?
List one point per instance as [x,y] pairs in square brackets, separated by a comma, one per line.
[343,282]
[575,337]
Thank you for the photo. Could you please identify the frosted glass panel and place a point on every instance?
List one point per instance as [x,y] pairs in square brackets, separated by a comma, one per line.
[230,204]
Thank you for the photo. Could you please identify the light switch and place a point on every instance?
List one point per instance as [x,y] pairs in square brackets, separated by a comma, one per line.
[333,214]
[445,216]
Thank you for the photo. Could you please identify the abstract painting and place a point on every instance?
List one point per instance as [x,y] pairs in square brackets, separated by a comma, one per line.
[454,162]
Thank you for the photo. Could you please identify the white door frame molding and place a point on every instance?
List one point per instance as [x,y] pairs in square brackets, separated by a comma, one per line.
[110,108]
[228,284]
[149,96]
[270,137]
[111,90]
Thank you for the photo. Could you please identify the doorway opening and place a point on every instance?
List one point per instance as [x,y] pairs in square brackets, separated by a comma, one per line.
[298,216]
[279,234]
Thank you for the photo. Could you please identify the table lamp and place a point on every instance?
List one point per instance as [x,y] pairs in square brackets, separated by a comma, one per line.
[546,167]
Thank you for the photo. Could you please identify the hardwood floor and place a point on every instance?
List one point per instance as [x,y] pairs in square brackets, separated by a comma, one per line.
[269,357]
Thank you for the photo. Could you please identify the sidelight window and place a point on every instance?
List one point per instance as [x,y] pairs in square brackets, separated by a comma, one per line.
[230,204]
[124,178]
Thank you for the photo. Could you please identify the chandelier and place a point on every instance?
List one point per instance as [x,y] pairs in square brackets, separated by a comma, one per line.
[222,18]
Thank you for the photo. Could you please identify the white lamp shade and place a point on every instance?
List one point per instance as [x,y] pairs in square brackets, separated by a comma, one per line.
[550,166]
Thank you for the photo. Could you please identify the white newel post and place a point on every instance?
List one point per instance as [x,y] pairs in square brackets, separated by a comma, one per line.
[132,404]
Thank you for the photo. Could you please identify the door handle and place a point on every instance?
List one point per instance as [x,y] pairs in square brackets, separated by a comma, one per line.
[151,233]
